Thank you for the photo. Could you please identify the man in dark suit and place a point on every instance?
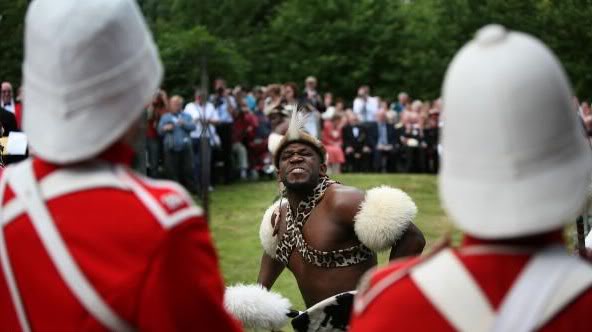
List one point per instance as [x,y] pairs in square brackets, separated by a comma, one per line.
[413,145]
[387,145]
[7,122]
[431,134]
[357,145]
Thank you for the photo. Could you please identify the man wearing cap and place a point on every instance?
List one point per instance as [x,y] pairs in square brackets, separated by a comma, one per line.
[327,234]
[86,244]
[511,193]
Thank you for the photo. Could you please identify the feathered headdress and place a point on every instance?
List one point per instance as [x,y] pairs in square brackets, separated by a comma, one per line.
[297,134]
[279,108]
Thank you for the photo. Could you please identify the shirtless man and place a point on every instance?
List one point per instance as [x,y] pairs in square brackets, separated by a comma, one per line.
[327,234]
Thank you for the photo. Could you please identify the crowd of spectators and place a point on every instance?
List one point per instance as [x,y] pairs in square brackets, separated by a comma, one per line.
[372,134]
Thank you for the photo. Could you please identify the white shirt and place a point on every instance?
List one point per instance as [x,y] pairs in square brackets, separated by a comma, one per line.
[329,112]
[10,107]
[197,113]
[366,109]
[311,124]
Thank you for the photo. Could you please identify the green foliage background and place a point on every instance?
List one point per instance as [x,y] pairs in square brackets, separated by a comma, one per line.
[392,45]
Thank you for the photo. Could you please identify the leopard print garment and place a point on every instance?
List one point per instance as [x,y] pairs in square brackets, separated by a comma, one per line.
[293,237]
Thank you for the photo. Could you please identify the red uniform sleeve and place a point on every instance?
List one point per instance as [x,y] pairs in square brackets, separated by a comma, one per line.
[183,290]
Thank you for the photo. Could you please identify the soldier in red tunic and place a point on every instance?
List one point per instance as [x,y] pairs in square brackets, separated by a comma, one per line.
[86,244]
[516,168]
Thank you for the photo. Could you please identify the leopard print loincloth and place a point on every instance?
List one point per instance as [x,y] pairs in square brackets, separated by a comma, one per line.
[293,237]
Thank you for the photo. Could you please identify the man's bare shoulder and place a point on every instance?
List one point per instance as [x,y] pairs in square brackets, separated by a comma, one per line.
[340,195]
[344,200]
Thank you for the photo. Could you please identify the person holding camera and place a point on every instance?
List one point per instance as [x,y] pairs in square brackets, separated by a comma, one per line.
[175,127]
[204,116]
[311,97]
[225,106]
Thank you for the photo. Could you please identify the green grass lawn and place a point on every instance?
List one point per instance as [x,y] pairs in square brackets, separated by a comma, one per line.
[236,213]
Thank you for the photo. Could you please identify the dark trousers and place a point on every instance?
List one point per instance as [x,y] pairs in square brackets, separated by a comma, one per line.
[224,131]
[359,161]
[433,160]
[414,159]
[202,153]
[179,167]
[385,161]
[153,152]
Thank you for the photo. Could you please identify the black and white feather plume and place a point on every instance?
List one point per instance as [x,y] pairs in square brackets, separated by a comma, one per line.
[297,122]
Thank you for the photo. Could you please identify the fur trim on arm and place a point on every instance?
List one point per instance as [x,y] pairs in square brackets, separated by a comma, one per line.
[384,216]
[256,307]
[268,241]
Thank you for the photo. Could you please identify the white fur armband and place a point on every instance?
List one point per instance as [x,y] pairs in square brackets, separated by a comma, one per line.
[256,307]
[384,216]
[268,241]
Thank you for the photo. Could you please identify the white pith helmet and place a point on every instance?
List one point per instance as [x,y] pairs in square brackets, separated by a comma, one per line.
[515,160]
[89,69]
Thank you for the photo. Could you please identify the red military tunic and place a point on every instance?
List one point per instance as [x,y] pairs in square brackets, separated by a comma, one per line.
[152,264]
[402,306]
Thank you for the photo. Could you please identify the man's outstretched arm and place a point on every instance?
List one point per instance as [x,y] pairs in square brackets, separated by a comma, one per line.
[410,244]
[269,271]
[382,218]
[270,268]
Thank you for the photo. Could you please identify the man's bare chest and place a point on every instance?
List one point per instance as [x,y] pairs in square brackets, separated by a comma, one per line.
[321,231]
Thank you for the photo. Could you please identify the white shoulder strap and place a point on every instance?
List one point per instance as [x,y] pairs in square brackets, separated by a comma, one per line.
[22,182]
[444,280]
[550,280]
[66,181]
[152,204]
[7,268]
[573,285]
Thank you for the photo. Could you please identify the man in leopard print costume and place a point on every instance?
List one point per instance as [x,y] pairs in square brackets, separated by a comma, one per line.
[325,232]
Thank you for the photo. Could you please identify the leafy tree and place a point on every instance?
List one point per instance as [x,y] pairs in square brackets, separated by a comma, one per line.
[564,27]
[392,45]
[343,43]
[182,52]
[12,16]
